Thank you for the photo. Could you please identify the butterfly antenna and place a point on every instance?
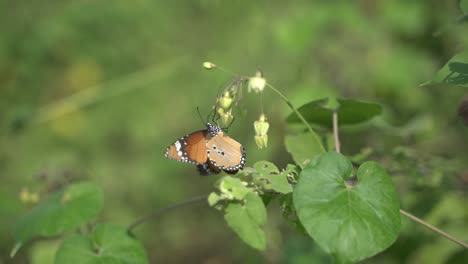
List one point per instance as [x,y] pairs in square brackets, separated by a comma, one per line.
[215,117]
[232,121]
[201,118]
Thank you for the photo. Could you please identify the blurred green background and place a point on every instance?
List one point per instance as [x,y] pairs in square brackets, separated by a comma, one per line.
[96,90]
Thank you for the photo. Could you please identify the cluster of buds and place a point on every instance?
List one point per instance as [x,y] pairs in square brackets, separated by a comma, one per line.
[28,197]
[261,129]
[230,97]
[225,108]
[226,101]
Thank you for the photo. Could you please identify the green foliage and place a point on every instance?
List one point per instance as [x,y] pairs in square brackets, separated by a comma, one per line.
[455,71]
[62,211]
[350,220]
[269,178]
[247,218]
[106,244]
[302,147]
[81,100]
[245,210]
[350,112]
[464,6]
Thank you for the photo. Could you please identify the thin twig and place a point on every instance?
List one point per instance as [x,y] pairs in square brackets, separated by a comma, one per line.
[335,131]
[158,212]
[433,228]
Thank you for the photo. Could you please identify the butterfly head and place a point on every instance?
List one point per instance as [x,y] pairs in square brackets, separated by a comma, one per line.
[213,129]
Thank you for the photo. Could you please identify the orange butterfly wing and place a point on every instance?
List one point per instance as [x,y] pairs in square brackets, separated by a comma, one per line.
[190,148]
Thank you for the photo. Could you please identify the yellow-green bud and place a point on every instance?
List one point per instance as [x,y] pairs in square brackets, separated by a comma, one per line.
[24,195]
[261,129]
[261,126]
[262,141]
[226,101]
[208,65]
[226,118]
[257,83]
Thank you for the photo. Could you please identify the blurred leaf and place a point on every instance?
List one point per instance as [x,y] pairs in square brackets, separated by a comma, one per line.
[303,148]
[62,211]
[108,244]
[455,71]
[214,198]
[352,222]
[246,220]
[314,111]
[464,6]
[350,112]
[270,178]
[43,251]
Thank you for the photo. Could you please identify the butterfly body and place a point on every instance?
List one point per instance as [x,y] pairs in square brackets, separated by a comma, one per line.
[210,149]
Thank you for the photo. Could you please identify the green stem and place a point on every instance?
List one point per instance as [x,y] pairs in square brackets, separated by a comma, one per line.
[157,213]
[301,117]
[433,228]
[335,131]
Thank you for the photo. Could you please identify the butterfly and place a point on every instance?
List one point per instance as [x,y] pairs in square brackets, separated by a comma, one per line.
[210,149]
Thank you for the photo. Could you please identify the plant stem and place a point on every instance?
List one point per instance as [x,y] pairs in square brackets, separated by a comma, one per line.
[157,213]
[335,131]
[433,228]
[301,117]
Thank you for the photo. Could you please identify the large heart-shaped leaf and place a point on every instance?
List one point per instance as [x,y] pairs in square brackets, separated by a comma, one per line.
[108,244]
[350,112]
[352,221]
[64,210]
[247,219]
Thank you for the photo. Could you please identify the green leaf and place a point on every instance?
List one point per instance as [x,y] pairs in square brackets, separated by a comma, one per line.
[265,168]
[303,148]
[352,222]
[69,208]
[289,213]
[246,220]
[214,198]
[233,188]
[464,6]
[269,177]
[350,112]
[455,71]
[107,244]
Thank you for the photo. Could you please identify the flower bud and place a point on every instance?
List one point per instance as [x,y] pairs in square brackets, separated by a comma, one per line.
[24,195]
[262,141]
[261,129]
[226,118]
[257,83]
[225,101]
[261,126]
[220,111]
[208,65]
